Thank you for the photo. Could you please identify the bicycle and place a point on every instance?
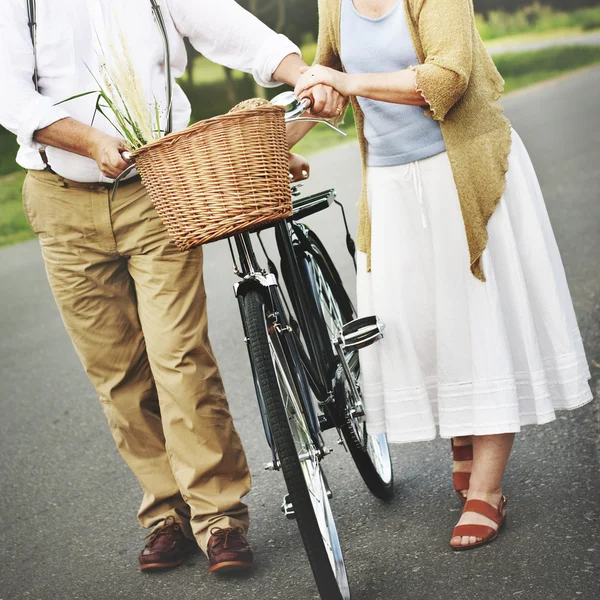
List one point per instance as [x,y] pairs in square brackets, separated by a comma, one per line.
[303,345]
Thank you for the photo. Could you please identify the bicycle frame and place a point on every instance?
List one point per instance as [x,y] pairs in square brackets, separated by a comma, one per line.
[254,278]
[309,377]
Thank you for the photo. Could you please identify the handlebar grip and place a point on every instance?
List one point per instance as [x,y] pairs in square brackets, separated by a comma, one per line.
[127,156]
[307,103]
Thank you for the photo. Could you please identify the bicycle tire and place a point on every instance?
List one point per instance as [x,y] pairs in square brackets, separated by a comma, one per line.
[279,422]
[381,487]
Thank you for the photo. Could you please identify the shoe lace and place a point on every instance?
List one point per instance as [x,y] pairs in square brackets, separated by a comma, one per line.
[166,527]
[222,535]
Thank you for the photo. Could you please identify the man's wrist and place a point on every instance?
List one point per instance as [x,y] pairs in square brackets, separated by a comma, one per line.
[288,70]
[95,140]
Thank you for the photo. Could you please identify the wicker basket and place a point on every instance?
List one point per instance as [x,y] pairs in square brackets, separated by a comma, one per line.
[221,176]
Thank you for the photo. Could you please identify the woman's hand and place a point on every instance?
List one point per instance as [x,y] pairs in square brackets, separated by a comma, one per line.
[299,168]
[320,75]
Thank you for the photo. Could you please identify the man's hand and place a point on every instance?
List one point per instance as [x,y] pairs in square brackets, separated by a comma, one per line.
[106,151]
[73,136]
[326,102]
[299,168]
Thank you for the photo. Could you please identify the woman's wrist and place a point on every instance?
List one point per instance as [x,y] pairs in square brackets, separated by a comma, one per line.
[352,85]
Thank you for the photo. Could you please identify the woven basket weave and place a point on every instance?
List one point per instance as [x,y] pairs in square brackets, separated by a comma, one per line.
[219,177]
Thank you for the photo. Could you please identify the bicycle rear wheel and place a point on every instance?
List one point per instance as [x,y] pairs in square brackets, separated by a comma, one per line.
[370,452]
[298,458]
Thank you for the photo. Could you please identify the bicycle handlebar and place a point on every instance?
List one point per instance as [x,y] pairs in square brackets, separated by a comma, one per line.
[295,109]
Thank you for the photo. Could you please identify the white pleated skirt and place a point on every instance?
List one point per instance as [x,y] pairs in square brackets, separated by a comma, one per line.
[460,355]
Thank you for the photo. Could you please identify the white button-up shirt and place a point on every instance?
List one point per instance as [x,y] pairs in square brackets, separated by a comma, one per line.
[68,49]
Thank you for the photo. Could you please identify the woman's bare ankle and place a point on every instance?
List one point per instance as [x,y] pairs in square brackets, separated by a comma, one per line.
[492,497]
[465,440]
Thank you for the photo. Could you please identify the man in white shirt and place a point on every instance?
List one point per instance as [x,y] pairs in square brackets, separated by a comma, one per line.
[134,305]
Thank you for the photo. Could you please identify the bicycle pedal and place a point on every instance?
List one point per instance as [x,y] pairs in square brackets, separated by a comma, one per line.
[287,508]
[361,333]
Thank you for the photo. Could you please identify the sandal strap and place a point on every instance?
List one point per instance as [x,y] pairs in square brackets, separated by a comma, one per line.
[495,514]
[479,531]
[460,453]
[461,480]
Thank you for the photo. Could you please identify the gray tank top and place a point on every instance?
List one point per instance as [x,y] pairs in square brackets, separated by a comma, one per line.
[396,134]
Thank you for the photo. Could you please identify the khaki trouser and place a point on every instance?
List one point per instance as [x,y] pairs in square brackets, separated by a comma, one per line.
[135,308]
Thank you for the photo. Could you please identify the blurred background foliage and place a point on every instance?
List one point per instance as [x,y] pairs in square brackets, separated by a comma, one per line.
[507,25]
[214,89]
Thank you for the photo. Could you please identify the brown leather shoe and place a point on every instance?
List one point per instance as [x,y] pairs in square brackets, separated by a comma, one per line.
[166,547]
[228,550]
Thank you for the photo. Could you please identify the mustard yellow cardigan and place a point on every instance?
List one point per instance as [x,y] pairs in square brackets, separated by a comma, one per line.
[462,86]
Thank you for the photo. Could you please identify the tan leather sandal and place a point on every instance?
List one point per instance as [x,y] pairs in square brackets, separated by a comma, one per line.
[461,480]
[487,534]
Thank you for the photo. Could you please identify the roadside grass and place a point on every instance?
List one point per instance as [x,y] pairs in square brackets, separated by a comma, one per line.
[518,69]
[8,151]
[530,37]
[322,138]
[526,68]
[13,224]
[536,19]
[206,71]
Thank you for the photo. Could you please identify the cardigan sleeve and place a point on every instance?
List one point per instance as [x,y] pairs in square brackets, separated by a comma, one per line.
[327,52]
[446,32]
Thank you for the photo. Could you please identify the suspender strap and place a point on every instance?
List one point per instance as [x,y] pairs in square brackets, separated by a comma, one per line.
[169,82]
[32,22]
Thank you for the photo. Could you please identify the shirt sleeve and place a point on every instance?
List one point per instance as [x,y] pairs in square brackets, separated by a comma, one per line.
[227,34]
[22,110]
[446,32]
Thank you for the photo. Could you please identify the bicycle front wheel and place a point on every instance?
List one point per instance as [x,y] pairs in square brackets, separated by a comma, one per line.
[297,455]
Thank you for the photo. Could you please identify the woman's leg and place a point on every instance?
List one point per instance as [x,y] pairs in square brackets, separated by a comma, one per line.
[462,466]
[490,457]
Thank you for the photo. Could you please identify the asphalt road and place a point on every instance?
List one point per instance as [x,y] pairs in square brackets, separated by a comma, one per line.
[68,503]
[583,39]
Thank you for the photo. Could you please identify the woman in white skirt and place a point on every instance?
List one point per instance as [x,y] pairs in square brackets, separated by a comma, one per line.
[458,258]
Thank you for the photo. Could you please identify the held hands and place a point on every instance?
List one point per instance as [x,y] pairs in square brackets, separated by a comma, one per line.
[327,102]
[318,77]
